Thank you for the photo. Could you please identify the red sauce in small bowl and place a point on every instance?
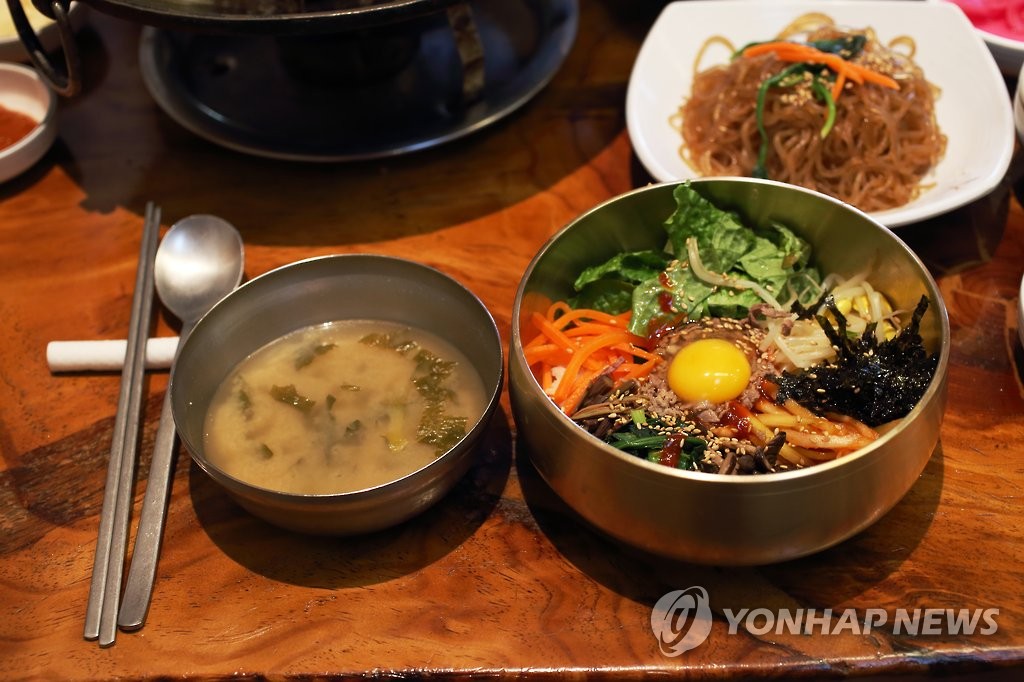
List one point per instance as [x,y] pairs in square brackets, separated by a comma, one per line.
[14,125]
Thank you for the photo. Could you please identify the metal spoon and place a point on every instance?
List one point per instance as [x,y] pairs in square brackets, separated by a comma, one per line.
[199,261]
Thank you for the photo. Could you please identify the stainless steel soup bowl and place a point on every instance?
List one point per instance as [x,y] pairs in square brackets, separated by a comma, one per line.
[316,291]
[710,518]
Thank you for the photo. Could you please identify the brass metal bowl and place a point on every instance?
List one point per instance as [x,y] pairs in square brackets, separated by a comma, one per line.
[321,290]
[710,518]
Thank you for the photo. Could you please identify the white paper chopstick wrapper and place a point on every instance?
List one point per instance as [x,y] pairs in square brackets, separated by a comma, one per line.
[79,356]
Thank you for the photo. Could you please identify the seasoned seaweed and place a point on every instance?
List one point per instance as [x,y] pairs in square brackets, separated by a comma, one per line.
[306,357]
[289,395]
[874,381]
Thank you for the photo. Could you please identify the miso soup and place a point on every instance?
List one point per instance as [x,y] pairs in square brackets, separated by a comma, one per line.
[342,407]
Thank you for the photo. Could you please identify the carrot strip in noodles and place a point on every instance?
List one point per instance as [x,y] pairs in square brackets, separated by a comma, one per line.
[837,88]
[797,52]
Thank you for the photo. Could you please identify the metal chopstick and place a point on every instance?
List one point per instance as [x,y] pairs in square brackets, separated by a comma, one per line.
[111,542]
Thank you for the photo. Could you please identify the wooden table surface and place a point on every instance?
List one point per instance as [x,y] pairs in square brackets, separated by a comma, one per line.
[497,580]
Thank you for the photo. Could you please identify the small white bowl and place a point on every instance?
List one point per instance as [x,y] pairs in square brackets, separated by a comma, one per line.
[22,90]
[1008,53]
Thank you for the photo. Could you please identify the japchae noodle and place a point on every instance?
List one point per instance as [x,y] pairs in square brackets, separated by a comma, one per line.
[872,152]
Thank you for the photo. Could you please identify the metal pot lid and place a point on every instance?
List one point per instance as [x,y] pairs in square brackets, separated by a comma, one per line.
[274,17]
[315,110]
[267,16]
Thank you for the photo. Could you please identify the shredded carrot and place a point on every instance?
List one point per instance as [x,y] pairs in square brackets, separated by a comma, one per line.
[553,332]
[637,370]
[547,379]
[572,400]
[558,308]
[837,88]
[548,353]
[620,321]
[845,70]
[580,354]
[588,329]
[632,349]
[583,344]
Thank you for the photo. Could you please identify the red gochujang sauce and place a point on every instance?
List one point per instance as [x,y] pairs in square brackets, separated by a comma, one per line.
[14,125]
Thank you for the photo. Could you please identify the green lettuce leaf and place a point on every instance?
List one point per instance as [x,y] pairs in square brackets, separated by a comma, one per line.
[720,234]
[774,257]
[609,287]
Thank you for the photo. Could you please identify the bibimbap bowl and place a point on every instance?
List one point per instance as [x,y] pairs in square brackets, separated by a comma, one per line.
[713,518]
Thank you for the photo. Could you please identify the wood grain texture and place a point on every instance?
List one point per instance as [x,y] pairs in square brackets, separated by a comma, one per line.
[499,580]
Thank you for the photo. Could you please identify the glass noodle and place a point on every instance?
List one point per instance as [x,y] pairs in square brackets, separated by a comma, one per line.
[819,106]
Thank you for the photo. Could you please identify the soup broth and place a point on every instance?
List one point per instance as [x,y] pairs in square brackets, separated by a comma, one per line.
[342,407]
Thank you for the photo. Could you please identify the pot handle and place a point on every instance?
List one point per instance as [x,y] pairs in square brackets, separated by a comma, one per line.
[470,48]
[68,81]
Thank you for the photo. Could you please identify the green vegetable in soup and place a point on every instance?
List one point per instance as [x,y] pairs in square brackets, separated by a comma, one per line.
[307,355]
[431,374]
[436,428]
[440,430]
[245,403]
[393,342]
[290,396]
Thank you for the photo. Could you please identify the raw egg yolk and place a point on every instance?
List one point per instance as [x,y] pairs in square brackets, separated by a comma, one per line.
[709,369]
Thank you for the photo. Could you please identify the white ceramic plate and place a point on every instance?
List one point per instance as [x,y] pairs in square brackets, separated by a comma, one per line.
[973,110]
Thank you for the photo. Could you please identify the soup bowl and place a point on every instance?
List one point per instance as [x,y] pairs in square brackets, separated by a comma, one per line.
[313,292]
[711,518]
